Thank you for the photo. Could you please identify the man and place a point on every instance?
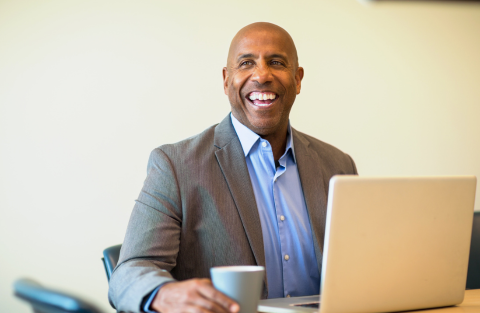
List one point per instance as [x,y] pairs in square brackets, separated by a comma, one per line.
[250,190]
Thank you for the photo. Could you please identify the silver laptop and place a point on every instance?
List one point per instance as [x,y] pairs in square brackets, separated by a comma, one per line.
[392,244]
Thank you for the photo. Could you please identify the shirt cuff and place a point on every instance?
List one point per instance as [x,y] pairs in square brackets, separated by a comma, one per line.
[146,307]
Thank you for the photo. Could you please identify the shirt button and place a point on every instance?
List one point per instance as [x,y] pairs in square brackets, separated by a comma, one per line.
[286,257]
[282,218]
[264,144]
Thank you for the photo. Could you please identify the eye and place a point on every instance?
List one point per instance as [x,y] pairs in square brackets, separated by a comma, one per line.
[246,63]
[275,62]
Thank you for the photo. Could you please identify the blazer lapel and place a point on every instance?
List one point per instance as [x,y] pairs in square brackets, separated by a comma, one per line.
[314,190]
[231,158]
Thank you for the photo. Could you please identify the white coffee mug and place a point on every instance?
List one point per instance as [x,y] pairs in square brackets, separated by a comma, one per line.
[241,283]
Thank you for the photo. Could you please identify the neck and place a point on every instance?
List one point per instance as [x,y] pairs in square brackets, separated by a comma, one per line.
[278,141]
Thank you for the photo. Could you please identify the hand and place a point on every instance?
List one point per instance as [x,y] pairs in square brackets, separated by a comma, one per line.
[193,295]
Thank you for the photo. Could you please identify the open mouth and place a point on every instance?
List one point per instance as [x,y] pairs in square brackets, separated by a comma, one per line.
[262,99]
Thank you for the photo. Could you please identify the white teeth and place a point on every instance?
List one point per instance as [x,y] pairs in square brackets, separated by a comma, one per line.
[261,96]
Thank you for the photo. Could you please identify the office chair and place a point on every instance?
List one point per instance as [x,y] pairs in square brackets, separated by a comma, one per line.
[45,300]
[473,276]
[110,259]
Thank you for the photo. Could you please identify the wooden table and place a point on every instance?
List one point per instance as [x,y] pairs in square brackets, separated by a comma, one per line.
[471,304]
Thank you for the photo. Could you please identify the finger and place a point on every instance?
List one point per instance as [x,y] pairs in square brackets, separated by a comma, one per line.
[208,304]
[209,292]
[193,309]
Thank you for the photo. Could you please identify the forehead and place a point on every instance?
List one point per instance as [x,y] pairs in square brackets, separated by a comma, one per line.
[263,43]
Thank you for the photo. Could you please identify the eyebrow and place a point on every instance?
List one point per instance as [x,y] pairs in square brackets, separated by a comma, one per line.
[245,56]
[272,56]
[279,56]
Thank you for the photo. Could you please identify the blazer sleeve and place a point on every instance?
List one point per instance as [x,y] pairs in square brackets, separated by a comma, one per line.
[151,243]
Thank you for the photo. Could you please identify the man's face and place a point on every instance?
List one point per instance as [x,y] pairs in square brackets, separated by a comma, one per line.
[262,79]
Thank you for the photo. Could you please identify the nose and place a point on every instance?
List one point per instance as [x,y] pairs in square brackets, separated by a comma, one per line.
[262,74]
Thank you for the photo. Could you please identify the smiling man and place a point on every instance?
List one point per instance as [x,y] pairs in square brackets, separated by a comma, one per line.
[262,79]
[249,191]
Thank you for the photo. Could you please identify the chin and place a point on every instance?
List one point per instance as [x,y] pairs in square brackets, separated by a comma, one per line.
[264,129]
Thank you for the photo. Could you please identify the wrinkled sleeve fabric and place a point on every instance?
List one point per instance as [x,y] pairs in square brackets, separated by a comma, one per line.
[152,241]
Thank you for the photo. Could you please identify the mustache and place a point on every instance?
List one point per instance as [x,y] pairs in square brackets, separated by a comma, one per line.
[260,86]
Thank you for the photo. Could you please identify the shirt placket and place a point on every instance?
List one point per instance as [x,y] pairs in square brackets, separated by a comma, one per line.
[282,225]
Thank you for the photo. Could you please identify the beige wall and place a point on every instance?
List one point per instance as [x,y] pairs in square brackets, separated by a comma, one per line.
[88,88]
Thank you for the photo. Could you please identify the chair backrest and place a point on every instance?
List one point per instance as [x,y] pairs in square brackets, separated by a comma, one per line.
[110,259]
[473,276]
[45,300]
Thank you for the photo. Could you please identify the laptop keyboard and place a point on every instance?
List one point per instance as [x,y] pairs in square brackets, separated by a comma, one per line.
[314,305]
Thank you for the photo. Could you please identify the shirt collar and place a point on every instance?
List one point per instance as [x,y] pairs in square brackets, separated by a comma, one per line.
[248,138]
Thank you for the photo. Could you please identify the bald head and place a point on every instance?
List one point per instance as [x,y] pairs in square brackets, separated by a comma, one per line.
[262,79]
[263,31]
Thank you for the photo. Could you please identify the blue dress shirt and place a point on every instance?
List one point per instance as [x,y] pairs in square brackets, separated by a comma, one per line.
[291,263]
[148,303]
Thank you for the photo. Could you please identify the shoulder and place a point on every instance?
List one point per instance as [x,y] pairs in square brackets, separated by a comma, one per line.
[203,145]
[192,148]
[328,154]
[314,143]
[194,143]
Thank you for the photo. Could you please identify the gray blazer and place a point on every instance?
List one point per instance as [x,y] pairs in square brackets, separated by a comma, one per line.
[197,210]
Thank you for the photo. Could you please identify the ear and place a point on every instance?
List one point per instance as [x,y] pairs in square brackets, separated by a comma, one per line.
[298,78]
[225,80]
